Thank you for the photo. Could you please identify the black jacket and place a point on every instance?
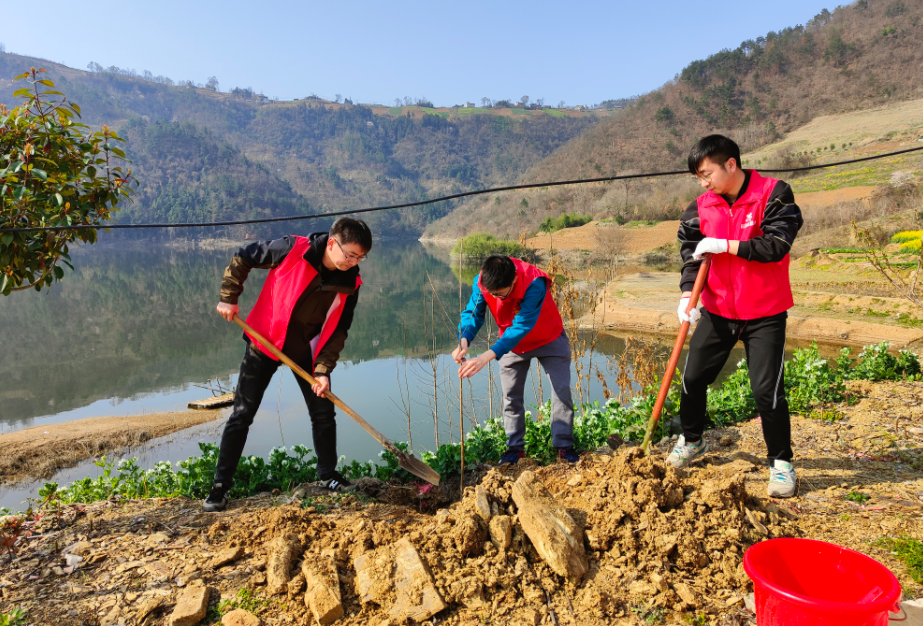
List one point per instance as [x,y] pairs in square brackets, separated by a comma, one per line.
[311,309]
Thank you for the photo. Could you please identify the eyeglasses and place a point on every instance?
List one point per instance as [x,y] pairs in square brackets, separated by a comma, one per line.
[504,296]
[351,257]
[703,179]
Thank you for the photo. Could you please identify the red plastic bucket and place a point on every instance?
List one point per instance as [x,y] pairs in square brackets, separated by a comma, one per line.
[803,582]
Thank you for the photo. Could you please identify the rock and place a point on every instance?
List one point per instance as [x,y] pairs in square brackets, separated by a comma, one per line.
[576,480]
[916,431]
[417,597]
[159,571]
[258,578]
[659,583]
[191,607]
[501,531]
[526,617]
[112,617]
[282,553]
[756,523]
[73,559]
[553,532]
[732,601]
[665,544]
[615,441]
[158,538]
[296,584]
[398,569]
[323,596]
[481,504]
[240,617]
[685,594]
[226,556]
[148,607]
[750,602]
[642,588]
[81,548]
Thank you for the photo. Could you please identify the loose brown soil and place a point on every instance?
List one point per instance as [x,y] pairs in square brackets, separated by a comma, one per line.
[638,239]
[663,546]
[40,451]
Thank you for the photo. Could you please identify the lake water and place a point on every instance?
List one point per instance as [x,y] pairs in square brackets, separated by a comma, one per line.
[134,330]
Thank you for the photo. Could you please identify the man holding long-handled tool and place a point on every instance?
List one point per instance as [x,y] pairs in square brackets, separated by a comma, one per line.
[305,310]
[747,223]
[530,325]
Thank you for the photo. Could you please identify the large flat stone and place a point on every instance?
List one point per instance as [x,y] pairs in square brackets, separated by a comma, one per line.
[396,576]
[240,617]
[554,533]
[283,551]
[417,597]
[323,588]
[191,607]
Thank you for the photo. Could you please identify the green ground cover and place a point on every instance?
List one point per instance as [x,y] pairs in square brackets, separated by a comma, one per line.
[813,385]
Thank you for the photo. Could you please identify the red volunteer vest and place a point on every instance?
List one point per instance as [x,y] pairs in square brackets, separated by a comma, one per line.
[738,288]
[547,328]
[284,285]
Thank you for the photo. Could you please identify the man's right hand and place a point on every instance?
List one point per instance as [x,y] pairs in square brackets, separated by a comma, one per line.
[459,352]
[228,311]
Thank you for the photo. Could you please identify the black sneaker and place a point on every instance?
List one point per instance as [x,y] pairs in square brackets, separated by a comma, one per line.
[511,457]
[568,454]
[337,483]
[217,499]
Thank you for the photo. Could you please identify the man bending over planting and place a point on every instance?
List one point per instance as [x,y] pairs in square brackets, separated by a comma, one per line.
[530,328]
[305,309]
[748,224]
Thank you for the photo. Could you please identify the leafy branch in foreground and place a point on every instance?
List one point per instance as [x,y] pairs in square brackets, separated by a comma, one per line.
[53,172]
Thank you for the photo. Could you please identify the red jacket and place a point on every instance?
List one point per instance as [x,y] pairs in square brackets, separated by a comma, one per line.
[738,288]
[272,312]
[547,328]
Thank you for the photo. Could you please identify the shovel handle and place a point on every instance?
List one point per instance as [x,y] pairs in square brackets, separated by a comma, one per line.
[390,447]
[700,280]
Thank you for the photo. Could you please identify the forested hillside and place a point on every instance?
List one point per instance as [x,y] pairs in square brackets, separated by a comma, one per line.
[856,57]
[201,155]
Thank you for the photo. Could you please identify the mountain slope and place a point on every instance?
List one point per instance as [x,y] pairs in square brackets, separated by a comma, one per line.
[335,156]
[854,58]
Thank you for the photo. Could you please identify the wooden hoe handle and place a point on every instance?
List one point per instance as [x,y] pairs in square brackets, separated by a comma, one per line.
[700,279]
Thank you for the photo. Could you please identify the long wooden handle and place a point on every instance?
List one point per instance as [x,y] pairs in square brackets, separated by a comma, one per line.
[700,280]
[298,370]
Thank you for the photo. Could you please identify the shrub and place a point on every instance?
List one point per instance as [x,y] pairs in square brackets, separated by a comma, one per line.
[565,220]
[482,245]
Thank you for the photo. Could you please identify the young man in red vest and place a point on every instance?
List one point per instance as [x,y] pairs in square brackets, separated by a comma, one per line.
[305,309]
[530,328]
[748,224]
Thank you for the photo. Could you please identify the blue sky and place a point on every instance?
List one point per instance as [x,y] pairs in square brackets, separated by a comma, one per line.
[449,52]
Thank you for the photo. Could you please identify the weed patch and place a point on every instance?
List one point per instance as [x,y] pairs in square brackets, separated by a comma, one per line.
[908,550]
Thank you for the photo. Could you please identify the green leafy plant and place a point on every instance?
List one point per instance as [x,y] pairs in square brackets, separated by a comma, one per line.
[482,245]
[16,617]
[908,550]
[53,172]
[878,364]
[857,497]
[565,220]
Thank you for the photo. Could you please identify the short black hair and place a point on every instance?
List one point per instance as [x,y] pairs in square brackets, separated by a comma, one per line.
[351,230]
[497,272]
[716,148]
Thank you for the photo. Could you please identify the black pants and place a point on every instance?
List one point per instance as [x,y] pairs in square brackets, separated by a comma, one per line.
[709,349]
[256,371]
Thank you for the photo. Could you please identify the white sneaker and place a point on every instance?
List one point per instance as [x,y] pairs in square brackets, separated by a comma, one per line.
[782,482]
[685,453]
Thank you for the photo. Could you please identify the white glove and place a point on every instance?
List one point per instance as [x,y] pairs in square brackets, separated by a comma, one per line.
[710,245]
[693,316]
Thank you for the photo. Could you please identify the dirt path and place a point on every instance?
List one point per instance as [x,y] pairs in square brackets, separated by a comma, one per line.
[646,302]
[40,451]
[656,545]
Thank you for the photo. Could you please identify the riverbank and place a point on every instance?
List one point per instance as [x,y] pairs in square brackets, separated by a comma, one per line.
[657,545]
[40,451]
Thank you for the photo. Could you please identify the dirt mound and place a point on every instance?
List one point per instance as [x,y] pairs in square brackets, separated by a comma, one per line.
[649,531]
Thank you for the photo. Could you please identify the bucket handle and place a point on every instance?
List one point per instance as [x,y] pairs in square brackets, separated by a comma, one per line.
[897,608]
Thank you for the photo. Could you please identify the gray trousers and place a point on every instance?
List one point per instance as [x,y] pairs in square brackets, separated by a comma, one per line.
[514,370]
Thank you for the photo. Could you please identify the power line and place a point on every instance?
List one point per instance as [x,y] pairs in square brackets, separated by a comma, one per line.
[466,194]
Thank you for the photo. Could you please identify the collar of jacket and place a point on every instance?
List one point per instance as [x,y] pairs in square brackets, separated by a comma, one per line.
[344,281]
